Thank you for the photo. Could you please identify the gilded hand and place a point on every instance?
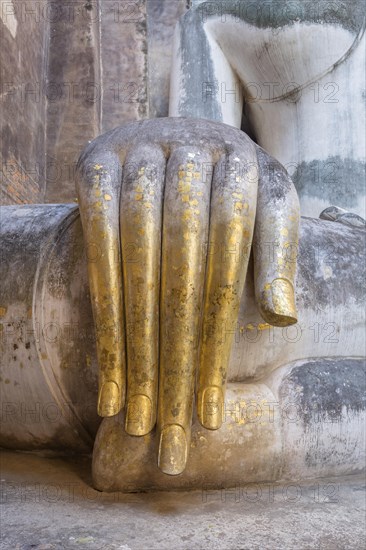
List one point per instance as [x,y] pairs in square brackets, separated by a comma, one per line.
[173,206]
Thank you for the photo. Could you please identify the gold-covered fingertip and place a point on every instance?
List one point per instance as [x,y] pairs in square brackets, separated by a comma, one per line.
[211,408]
[173,450]
[139,415]
[109,402]
[277,303]
[283,299]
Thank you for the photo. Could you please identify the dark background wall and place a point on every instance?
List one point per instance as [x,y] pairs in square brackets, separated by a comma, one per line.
[70,71]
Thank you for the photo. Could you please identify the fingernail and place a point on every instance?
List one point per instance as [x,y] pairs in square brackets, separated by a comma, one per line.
[109,399]
[212,407]
[172,457]
[283,298]
[139,415]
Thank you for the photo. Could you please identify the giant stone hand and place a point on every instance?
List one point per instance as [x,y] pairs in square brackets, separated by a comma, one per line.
[171,208]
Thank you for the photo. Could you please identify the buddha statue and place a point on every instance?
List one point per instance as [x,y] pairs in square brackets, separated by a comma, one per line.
[202,355]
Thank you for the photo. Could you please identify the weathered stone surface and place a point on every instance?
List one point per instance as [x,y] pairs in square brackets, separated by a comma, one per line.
[70,72]
[123,58]
[72,91]
[24,35]
[47,365]
[162,16]
[324,403]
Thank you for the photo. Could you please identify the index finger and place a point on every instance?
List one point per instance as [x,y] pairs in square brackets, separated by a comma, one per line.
[276,242]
